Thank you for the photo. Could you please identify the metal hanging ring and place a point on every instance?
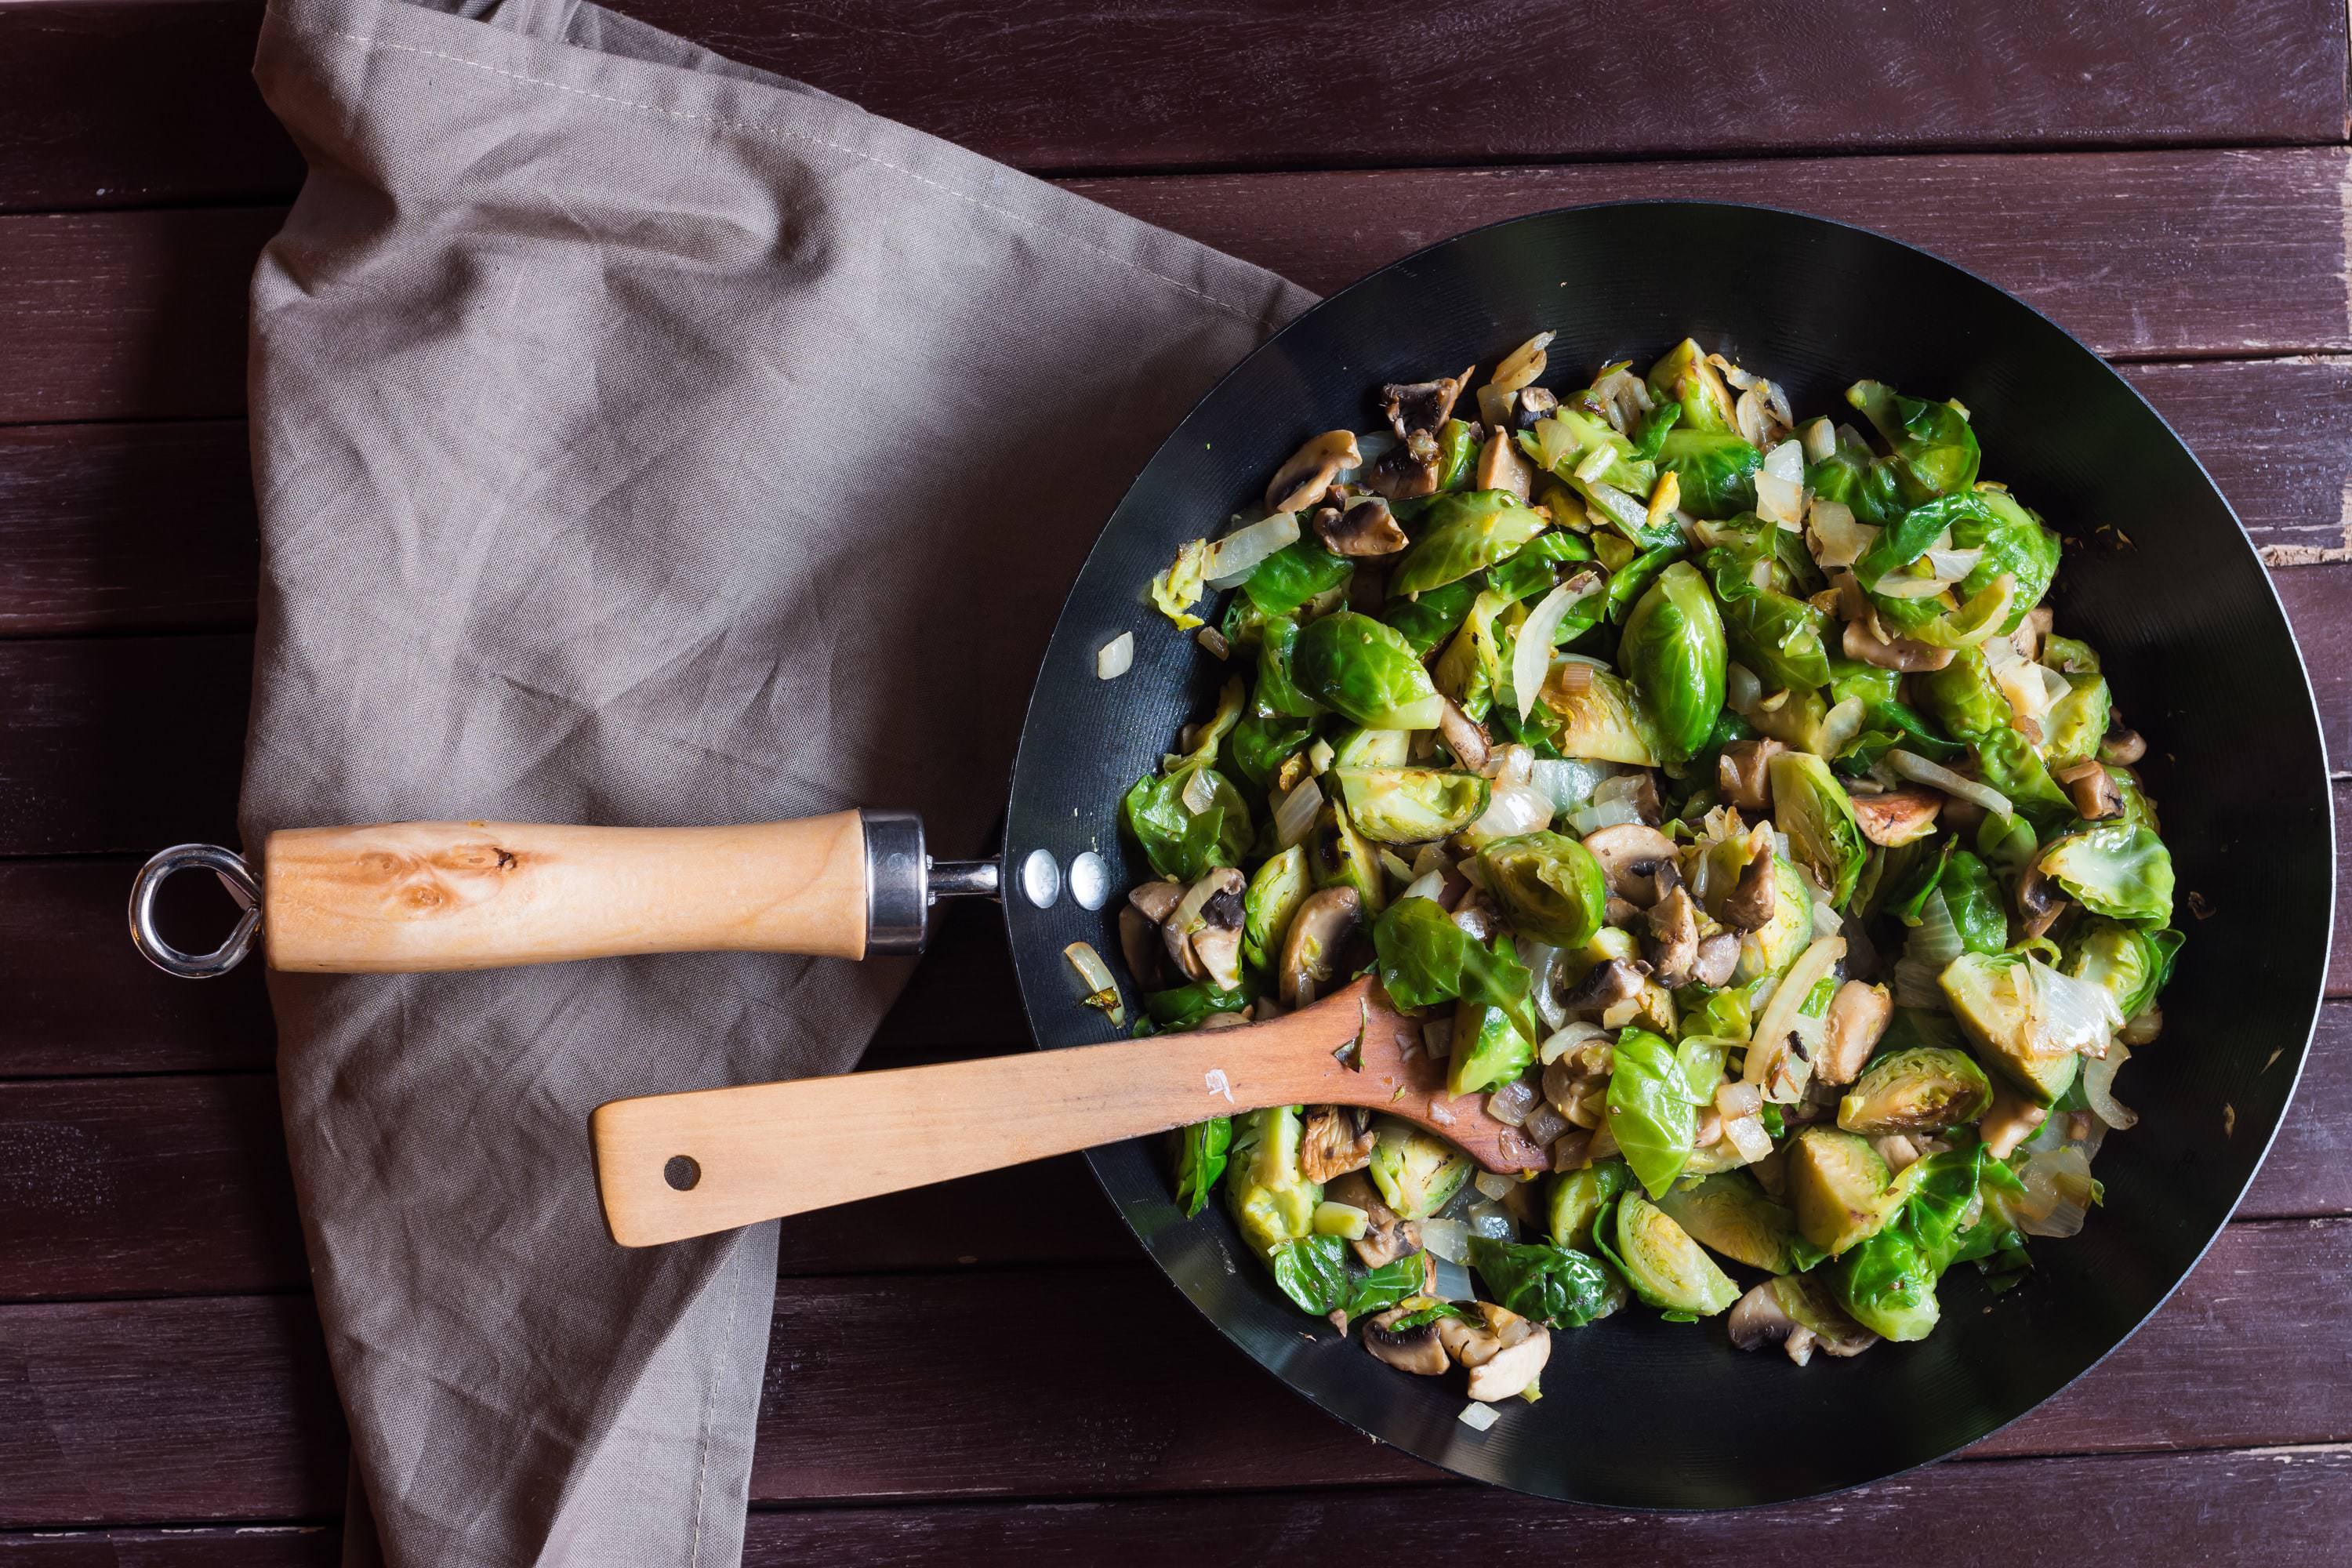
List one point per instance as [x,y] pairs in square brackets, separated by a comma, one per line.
[242,885]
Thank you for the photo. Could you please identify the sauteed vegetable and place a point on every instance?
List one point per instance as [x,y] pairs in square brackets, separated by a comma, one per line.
[1717,789]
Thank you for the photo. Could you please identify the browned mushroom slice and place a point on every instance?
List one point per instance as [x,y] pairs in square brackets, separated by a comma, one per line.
[1743,774]
[1156,900]
[1203,931]
[1306,478]
[2092,788]
[1366,529]
[1533,405]
[1718,958]
[1673,946]
[2040,900]
[1754,898]
[2027,638]
[2122,748]
[1408,470]
[1858,1018]
[1897,816]
[1139,943]
[1423,405]
[1504,1352]
[1638,861]
[1467,740]
[1500,467]
[1311,952]
[2012,1120]
[1417,1351]
[1891,653]
[1388,1235]
[1604,985]
[1330,1143]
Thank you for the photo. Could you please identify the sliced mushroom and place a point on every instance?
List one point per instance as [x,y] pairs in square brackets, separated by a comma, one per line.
[1500,467]
[1857,1021]
[1744,773]
[1139,943]
[1367,529]
[1897,815]
[1388,1235]
[1331,1143]
[1673,946]
[2027,638]
[2040,900]
[1466,740]
[2012,1120]
[1156,900]
[1533,405]
[2093,790]
[1638,861]
[1302,482]
[1418,1350]
[1407,469]
[1604,985]
[1476,917]
[1639,789]
[1424,405]
[1718,959]
[1311,952]
[1504,1352]
[2122,748]
[1222,1021]
[1620,911]
[1762,1319]
[1203,931]
[1759,1321]
[1754,899]
[1891,653]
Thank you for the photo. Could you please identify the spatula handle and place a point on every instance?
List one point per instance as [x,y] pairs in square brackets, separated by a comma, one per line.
[676,1165]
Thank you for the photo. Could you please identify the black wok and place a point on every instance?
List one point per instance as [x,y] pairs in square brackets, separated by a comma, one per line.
[1646,1414]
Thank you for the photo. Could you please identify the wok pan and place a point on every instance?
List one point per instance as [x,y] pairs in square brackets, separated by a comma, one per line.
[2158,576]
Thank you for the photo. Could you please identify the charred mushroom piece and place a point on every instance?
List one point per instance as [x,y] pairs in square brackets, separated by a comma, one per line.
[1604,985]
[1423,405]
[1859,1014]
[1638,861]
[1897,816]
[1754,899]
[1464,738]
[1891,653]
[2093,790]
[1304,480]
[2039,900]
[1203,931]
[1156,900]
[1331,1143]
[2122,748]
[1417,1351]
[1673,946]
[1504,1352]
[1408,470]
[1500,467]
[1311,952]
[2027,638]
[1140,944]
[1388,1235]
[1718,959]
[1758,1321]
[1366,530]
[2010,1122]
[1744,773]
[1533,405]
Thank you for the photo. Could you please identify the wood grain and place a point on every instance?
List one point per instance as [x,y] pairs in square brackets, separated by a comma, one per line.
[93,97]
[243,1546]
[2150,254]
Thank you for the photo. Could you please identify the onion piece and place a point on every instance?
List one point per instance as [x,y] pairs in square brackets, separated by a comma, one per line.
[1591,819]
[1369,449]
[1768,1044]
[1294,819]
[1511,812]
[1478,1417]
[1509,1105]
[1840,725]
[1570,783]
[1780,500]
[1741,688]
[1893,587]
[1785,461]
[1531,654]
[1492,1187]
[1734,1100]
[1102,986]
[2058,1188]
[1935,942]
[1746,1134]
[1428,885]
[1491,1221]
[1232,558]
[2099,1090]
[1448,1240]
[1570,1037]
[1919,770]
[1117,657]
[1838,539]
[1951,565]
[2071,1015]
[1199,794]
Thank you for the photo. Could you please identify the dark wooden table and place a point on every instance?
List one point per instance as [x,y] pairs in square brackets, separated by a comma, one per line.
[2170,179]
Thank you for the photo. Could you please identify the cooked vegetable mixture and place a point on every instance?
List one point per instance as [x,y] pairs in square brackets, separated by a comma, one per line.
[1715,789]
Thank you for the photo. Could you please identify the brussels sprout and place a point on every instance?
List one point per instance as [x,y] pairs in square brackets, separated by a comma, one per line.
[1717,471]
[1278,693]
[1262,743]
[2008,763]
[1179,843]
[1338,855]
[2076,723]
[2068,657]
[1271,1202]
[1489,1049]
[1651,1109]
[1935,451]
[2131,962]
[1803,721]
[1417,1173]
[1366,670]
[1838,1185]
[2015,545]
[1279,887]
[1428,620]
[1903,542]
[1472,670]
[1774,945]
[1974,900]
[1558,1286]
[1410,806]
[1886,1285]
[1600,720]
[1550,886]
[1577,1197]
[1962,698]
[1665,1267]
[1925,1090]
[1673,647]
[1685,377]
[1357,747]
[2114,869]
[1810,806]
[1730,1215]
[1632,578]
[1200,1160]
[1425,959]
[1457,452]
[1295,576]
[1184,1008]
[1536,568]
[1992,996]
[1863,484]
[1462,534]
[2007,843]
[1779,637]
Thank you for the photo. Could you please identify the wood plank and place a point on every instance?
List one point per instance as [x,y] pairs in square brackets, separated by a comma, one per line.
[92,97]
[248,1546]
[151,527]
[2149,255]
[2053,1513]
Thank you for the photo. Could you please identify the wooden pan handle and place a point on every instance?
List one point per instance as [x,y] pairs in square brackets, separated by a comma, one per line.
[481,895]
[676,1165]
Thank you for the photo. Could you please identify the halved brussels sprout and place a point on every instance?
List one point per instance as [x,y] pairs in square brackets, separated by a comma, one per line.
[1489,1049]
[1461,534]
[1925,1090]
[1279,887]
[1732,1215]
[1278,693]
[1430,619]
[1888,1285]
[1416,1173]
[1992,996]
[1357,747]
[1577,1197]
[1810,806]
[1666,1268]
[1653,1112]
[1357,667]
[1934,450]
[1295,576]
[2015,545]
[2131,962]
[1684,376]
[1550,886]
[1963,696]
[1181,843]
[1262,743]
[2117,869]
[1271,1202]
[1717,471]
[1838,1187]
[1338,855]
[1673,647]
[2076,723]
[1410,806]
[1600,720]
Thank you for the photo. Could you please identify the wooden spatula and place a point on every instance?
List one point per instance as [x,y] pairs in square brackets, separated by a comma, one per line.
[674,1166]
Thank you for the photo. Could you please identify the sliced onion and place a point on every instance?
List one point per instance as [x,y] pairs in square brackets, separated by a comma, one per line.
[1746,1134]
[1569,1037]
[1491,1221]
[1819,437]
[1778,398]
[1893,587]
[1369,449]
[1117,657]
[1509,1105]
[1570,783]
[1919,770]
[1437,1040]
[1769,1042]
[1785,461]
[1509,766]
[1734,1100]
[1545,1126]
[1531,655]
[1935,942]
[1591,819]
[1430,857]
[1747,416]
[1478,1417]
[2099,1087]
[1838,539]
[2032,690]
[1294,819]
[1492,1187]
[1627,511]
[1199,794]
[1428,885]
[2057,1196]
[1915,986]
[1780,500]
[1952,565]
[1102,987]
[1596,463]
[1510,812]
[1448,1240]
[2071,1015]
[1741,688]
[1840,725]
[1233,558]
[1522,364]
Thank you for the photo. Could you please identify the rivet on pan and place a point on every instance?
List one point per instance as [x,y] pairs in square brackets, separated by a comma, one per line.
[1090,880]
[1040,879]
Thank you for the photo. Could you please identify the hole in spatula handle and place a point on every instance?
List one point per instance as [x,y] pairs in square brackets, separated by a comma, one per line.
[682,1172]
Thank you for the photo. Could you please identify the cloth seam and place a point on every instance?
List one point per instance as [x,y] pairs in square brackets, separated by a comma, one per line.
[710,1397]
[779,133]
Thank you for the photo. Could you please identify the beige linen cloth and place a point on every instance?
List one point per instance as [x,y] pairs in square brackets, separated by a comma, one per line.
[640,438]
